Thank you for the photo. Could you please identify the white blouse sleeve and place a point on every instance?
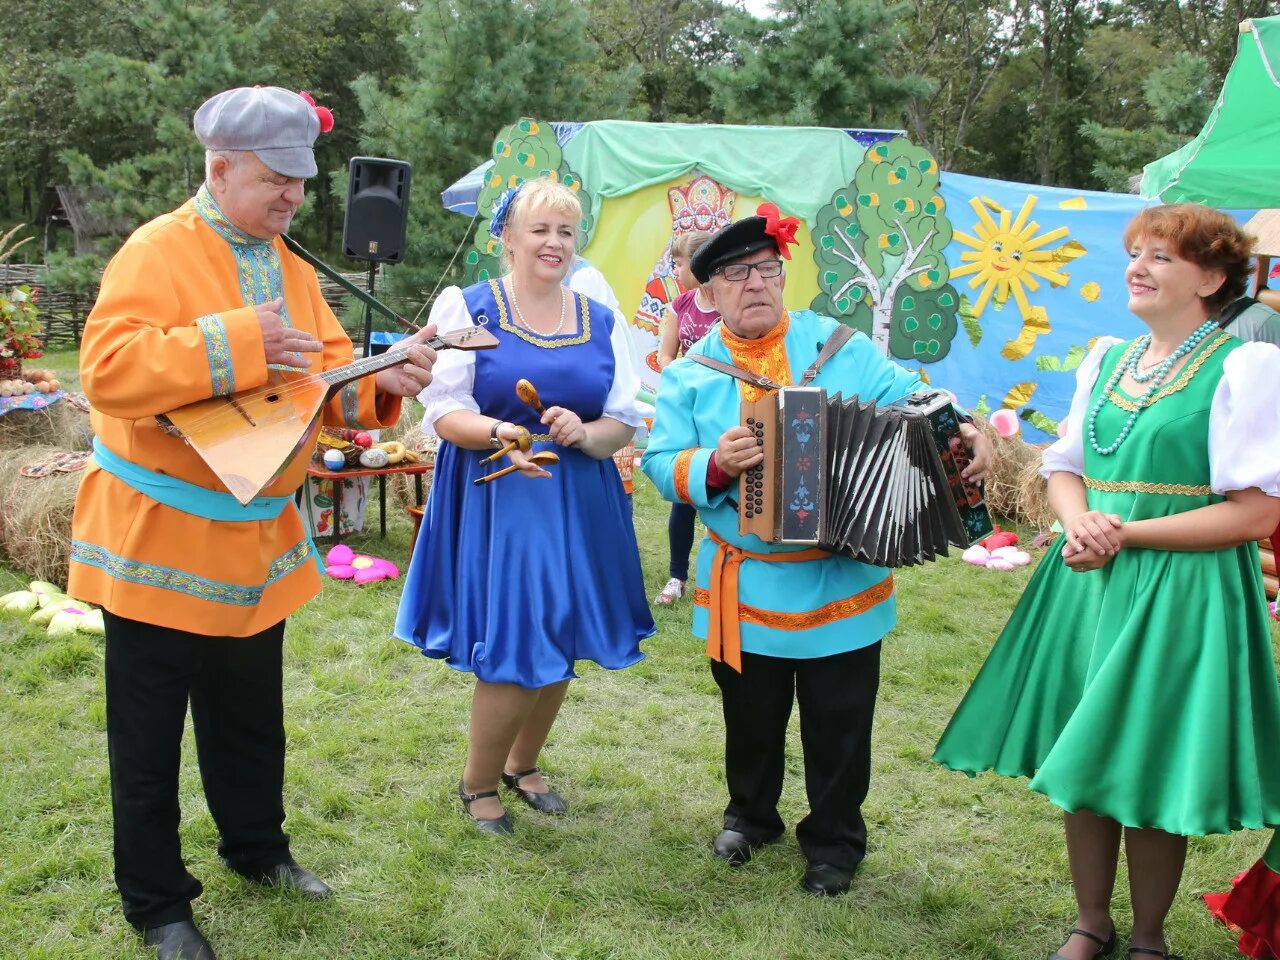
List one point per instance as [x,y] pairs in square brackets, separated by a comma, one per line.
[621,402]
[1066,455]
[453,376]
[1244,422]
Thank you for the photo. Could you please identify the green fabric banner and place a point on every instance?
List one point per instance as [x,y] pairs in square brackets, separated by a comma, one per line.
[797,167]
[1235,159]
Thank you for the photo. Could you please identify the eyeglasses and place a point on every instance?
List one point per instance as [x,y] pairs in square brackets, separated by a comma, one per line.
[737,272]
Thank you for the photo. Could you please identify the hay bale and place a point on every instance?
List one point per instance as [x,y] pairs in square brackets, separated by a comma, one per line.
[62,425]
[401,490]
[35,514]
[1015,490]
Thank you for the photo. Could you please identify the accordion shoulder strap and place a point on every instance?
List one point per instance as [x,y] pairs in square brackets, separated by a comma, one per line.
[839,337]
[752,378]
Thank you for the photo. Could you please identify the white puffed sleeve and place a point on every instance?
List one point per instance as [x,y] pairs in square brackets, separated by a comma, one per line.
[1244,422]
[453,376]
[621,402]
[589,280]
[1066,455]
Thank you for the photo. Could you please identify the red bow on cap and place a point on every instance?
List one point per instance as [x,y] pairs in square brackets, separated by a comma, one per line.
[782,229]
[324,113]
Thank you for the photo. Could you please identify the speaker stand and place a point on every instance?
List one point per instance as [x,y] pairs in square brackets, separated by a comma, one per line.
[368,313]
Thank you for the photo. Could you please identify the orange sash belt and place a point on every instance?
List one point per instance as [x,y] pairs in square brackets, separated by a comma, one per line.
[724,636]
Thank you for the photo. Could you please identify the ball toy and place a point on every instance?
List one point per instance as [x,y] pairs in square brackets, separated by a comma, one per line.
[1005,423]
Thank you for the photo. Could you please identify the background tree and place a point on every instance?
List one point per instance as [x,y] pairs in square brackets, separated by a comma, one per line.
[137,106]
[963,45]
[815,63]
[475,67]
[38,112]
[670,43]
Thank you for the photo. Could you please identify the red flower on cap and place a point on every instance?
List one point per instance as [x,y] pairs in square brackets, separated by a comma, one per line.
[782,229]
[324,113]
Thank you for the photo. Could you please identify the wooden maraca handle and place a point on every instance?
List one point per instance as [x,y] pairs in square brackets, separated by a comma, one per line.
[480,481]
[522,443]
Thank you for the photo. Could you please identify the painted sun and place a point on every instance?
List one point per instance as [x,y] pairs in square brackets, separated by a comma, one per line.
[1009,257]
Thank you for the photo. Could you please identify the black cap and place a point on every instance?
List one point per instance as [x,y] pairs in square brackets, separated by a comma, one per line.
[732,243]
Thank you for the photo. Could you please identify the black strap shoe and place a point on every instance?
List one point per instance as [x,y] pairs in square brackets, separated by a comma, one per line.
[549,802]
[1105,947]
[735,847]
[827,880]
[290,876]
[500,825]
[178,941]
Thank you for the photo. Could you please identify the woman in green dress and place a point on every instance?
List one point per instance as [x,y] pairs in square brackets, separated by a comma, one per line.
[1135,683]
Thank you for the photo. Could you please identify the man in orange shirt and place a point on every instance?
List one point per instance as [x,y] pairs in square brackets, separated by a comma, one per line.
[198,303]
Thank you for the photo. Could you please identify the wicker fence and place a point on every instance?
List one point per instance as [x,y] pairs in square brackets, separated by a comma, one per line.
[64,313]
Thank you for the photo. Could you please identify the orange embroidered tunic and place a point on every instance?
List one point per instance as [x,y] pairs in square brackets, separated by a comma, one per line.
[775,600]
[174,324]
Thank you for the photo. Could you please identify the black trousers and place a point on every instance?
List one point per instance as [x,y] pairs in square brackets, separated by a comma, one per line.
[234,685]
[837,697]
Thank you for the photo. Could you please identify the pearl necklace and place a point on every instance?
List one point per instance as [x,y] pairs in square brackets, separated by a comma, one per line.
[515,305]
[1156,378]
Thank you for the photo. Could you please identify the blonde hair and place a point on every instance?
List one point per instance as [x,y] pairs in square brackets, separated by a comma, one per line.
[541,194]
[687,244]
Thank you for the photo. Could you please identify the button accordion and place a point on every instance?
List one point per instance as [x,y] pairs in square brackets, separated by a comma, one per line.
[880,484]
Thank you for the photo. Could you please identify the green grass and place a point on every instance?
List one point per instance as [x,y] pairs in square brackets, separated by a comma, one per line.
[377,736]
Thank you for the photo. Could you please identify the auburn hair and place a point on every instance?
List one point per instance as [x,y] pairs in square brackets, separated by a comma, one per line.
[1207,237]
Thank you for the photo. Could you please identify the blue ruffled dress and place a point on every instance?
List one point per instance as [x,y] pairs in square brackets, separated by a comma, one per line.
[518,579]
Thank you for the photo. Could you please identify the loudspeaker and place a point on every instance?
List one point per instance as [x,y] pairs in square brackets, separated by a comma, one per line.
[377,209]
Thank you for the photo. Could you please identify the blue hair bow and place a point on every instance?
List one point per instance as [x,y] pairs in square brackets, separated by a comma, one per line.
[501,209]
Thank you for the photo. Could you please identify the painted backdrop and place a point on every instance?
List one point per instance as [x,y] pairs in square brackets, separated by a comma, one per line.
[993,290]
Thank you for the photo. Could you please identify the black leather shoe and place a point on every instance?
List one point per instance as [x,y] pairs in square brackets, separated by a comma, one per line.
[827,880]
[178,941]
[290,876]
[501,825]
[735,847]
[549,802]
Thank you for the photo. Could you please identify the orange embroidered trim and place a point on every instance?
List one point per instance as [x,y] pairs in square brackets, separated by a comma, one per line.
[837,610]
[684,460]
[766,356]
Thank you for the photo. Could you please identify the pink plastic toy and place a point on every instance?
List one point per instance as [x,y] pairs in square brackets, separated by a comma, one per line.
[343,563]
[1001,558]
[1005,423]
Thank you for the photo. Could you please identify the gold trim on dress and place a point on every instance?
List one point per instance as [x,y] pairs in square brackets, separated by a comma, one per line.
[1141,486]
[538,339]
[1184,378]
[836,610]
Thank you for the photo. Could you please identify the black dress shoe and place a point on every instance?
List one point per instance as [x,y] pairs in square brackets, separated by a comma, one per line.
[827,880]
[290,876]
[734,846]
[500,825]
[549,802]
[178,941]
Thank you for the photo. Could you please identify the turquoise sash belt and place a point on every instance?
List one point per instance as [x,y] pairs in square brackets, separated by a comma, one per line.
[187,497]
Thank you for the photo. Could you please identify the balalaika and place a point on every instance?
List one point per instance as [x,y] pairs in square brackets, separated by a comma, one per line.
[881,484]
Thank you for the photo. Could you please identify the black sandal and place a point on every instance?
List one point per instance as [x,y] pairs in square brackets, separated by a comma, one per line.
[497,825]
[1105,947]
[1149,952]
[549,802]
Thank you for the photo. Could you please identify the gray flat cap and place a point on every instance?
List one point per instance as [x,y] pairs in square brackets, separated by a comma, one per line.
[276,124]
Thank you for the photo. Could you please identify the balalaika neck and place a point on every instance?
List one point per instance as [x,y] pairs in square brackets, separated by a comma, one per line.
[362,368]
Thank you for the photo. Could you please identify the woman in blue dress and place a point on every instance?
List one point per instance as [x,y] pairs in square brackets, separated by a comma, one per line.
[517,579]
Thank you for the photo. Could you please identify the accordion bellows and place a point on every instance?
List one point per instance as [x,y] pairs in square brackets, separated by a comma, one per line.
[880,484]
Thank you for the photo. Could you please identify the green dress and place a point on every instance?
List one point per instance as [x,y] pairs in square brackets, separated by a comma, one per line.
[1144,691]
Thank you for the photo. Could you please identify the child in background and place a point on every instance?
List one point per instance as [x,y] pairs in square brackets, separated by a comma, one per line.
[685,321]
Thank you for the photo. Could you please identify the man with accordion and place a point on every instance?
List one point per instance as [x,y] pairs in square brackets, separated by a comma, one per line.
[783,622]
